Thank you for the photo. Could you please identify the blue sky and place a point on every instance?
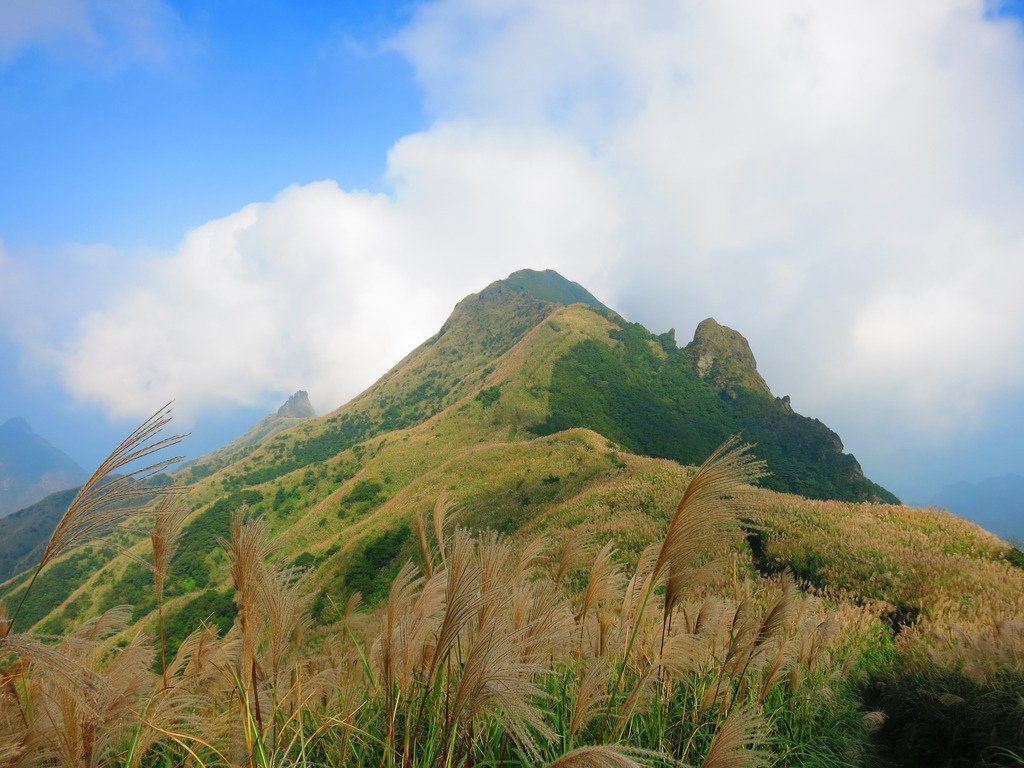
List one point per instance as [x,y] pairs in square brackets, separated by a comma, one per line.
[223,202]
[226,103]
[241,100]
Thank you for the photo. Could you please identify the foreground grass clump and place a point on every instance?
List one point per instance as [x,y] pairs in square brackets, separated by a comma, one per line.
[949,671]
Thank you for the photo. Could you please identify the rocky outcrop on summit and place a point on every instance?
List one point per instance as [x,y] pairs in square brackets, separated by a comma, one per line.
[297,407]
[656,399]
[723,358]
[296,410]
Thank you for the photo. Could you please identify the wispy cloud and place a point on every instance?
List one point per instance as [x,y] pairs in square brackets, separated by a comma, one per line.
[108,30]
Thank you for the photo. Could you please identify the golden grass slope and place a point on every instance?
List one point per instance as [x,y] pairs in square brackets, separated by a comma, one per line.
[919,562]
[477,660]
[926,564]
[601,615]
[398,457]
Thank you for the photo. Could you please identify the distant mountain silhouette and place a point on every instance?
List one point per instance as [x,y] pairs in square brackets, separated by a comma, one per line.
[31,468]
[996,503]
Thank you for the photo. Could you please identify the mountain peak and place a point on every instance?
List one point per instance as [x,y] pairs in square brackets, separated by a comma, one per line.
[30,467]
[15,426]
[723,358]
[556,359]
[547,285]
[298,406]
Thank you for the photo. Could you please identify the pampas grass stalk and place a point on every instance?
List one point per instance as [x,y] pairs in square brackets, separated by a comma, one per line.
[604,756]
[170,516]
[106,499]
[734,744]
[248,550]
[713,497]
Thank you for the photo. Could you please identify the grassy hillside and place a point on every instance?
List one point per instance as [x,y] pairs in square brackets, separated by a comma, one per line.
[24,533]
[505,368]
[296,410]
[544,426]
[525,363]
[567,636]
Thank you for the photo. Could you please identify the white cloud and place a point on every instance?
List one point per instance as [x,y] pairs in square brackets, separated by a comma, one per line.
[842,182]
[325,289]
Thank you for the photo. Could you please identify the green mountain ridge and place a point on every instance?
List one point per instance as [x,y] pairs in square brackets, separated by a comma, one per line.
[295,410]
[545,400]
[659,400]
[652,397]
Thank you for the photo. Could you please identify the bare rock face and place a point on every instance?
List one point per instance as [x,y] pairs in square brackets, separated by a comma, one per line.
[298,406]
[723,358]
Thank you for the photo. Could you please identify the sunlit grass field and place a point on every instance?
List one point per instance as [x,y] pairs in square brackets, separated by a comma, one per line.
[648,614]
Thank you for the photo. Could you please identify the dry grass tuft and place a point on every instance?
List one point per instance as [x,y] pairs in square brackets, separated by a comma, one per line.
[706,520]
[600,757]
[169,519]
[106,499]
[734,743]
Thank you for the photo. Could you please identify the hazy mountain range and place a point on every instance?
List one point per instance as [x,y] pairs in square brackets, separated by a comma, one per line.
[31,467]
[996,503]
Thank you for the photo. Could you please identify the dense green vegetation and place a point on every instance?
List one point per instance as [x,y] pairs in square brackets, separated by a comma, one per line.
[372,567]
[365,495]
[341,433]
[645,394]
[56,584]
[489,396]
[211,608]
[1015,557]
[134,588]
[548,285]
[347,430]
[190,568]
[24,533]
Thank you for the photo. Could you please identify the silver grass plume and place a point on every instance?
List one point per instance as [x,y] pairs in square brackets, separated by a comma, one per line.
[106,499]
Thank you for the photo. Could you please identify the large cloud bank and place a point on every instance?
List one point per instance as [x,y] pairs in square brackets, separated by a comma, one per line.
[325,289]
[840,181]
